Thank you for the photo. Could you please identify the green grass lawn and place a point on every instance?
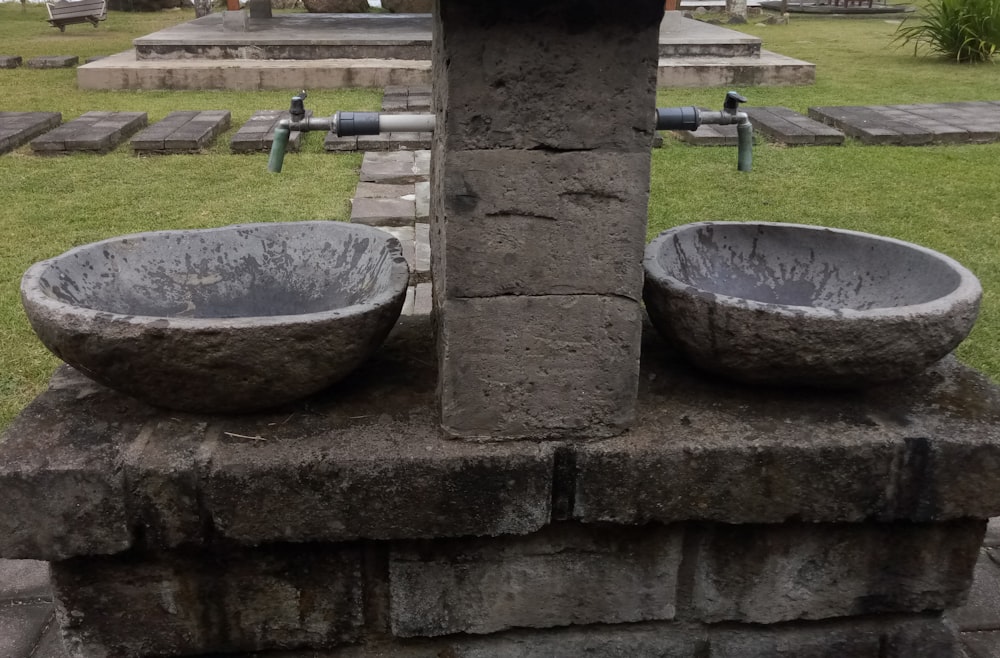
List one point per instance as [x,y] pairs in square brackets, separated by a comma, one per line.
[942,197]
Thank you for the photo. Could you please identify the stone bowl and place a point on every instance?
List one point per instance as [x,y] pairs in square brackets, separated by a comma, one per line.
[791,304]
[232,319]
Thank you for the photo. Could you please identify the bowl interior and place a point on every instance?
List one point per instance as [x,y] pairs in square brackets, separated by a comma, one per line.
[249,270]
[805,266]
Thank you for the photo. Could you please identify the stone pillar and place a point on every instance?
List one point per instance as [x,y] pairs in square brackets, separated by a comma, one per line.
[541,181]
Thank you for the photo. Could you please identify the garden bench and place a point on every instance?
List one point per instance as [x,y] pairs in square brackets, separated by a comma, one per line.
[67,12]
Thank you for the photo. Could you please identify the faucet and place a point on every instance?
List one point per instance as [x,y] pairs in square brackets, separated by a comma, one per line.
[689,118]
[343,124]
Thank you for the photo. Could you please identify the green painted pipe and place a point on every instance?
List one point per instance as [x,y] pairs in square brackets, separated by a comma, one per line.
[744,133]
[278,146]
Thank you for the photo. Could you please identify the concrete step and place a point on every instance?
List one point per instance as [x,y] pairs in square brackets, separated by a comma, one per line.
[124,71]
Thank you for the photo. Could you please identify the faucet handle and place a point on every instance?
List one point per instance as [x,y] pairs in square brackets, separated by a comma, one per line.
[298,106]
[733,100]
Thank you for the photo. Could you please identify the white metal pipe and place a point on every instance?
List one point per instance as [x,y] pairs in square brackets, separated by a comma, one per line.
[406,123]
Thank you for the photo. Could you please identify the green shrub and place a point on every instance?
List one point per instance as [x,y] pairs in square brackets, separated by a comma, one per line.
[966,30]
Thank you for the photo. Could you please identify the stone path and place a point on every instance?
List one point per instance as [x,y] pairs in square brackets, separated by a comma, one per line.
[98,132]
[188,132]
[10,61]
[908,125]
[182,132]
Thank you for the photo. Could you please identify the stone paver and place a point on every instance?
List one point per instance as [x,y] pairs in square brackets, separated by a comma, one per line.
[53,62]
[10,61]
[982,611]
[98,132]
[910,125]
[334,143]
[384,190]
[984,644]
[423,200]
[789,127]
[382,212]
[393,167]
[182,132]
[257,133]
[19,128]
[422,248]
[24,581]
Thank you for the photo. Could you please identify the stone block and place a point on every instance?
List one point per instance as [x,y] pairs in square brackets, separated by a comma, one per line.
[511,73]
[537,223]
[386,479]
[383,190]
[423,299]
[982,610]
[772,573]
[661,640]
[334,143]
[982,645]
[62,490]
[382,212]
[566,574]
[422,253]
[24,580]
[555,366]
[53,62]
[10,61]
[857,637]
[19,128]
[410,141]
[269,598]
[162,469]
[373,142]
[751,455]
[21,627]
[423,200]
[395,167]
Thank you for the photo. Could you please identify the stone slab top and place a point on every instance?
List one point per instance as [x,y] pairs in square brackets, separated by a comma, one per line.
[85,470]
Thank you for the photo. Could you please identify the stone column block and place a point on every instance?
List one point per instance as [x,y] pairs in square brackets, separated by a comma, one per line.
[172,604]
[550,74]
[551,366]
[560,576]
[545,120]
[772,573]
[62,491]
[528,222]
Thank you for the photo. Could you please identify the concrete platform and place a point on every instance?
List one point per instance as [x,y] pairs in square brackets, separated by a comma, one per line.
[327,51]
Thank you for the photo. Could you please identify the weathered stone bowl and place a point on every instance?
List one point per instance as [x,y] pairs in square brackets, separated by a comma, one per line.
[802,305]
[232,319]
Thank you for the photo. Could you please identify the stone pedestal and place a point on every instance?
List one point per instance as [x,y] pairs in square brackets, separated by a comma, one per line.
[729,522]
[541,181]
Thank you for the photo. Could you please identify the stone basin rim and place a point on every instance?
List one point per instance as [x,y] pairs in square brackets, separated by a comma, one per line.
[968,287]
[31,286]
